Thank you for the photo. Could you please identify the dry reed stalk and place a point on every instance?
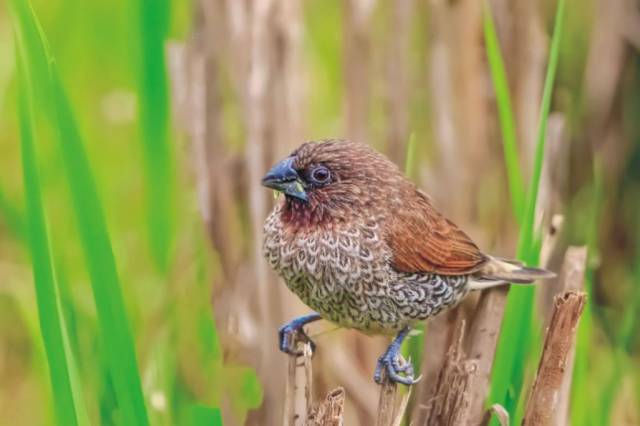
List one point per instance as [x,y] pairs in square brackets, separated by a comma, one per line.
[287,77]
[396,82]
[553,180]
[485,329]
[390,413]
[469,100]
[387,403]
[439,334]
[329,412]
[402,408]
[481,347]
[572,279]
[442,95]
[448,406]
[529,67]
[357,66]
[202,117]
[289,414]
[545,395]
[255,109]
[546,293]
[298,389]
[605,62]
[518,23]
[551,238]
[604,78]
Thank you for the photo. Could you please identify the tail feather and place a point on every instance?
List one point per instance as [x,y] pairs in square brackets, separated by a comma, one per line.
[502,271]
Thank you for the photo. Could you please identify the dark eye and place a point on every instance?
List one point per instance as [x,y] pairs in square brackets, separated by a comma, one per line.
[320,175]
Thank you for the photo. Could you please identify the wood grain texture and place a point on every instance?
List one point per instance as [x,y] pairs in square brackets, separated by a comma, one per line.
[544,399]
[329,412]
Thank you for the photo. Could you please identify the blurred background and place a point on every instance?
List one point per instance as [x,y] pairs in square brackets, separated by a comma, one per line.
[183,106]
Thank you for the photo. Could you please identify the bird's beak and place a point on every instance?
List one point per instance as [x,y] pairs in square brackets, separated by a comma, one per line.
[284,178]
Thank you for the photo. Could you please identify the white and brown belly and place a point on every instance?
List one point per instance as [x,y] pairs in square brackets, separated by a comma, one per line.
[343,273]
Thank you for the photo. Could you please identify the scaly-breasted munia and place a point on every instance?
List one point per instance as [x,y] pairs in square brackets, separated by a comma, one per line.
[364,247]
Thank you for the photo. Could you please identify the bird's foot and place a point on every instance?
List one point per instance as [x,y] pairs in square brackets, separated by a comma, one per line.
[291,333]
[393,367]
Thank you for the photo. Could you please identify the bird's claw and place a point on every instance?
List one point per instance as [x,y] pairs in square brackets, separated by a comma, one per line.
[393,365]
[290,334]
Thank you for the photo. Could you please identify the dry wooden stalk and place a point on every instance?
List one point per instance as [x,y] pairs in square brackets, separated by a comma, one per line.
[402,408]
[544,399]
[571,278]
[485,331]
[297,401]
[450,403]
[481,346]
[329,412]
[390,414]
[387,403]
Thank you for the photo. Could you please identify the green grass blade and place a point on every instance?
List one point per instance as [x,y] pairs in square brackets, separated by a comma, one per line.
[114,325]
[154,119]
[201,415]
[51,326]
[516,337]
[77,393]
[505,114]
[11,217]
[527,230]
[115,331]
[410,158]
[580,390]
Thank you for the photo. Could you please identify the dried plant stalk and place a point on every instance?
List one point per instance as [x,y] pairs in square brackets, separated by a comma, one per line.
[357,73]
[481,344]
[329,412]
[298,397]
[449,405]
[485,331]
[289,415]
[572,278]
[544,399]
[402,408]
[387,403]
[440,332]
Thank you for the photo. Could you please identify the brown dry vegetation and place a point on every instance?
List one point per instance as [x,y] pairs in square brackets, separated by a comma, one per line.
[276,73]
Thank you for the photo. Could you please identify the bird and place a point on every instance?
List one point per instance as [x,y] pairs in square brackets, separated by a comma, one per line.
[365,248]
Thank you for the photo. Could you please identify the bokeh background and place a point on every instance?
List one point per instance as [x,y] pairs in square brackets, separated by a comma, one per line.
[182,107]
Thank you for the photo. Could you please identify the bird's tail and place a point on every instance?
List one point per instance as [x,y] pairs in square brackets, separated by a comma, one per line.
[503,271]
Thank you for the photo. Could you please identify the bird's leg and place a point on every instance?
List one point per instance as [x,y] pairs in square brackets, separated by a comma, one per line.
[291,331]
[390,362]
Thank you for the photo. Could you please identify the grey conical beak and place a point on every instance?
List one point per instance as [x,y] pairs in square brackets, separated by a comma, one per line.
[284,178]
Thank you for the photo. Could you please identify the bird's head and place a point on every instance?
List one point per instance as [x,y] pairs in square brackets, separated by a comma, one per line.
[331,179]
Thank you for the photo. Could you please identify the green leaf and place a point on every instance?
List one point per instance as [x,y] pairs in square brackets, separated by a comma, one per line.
[505,114]
[158,159]
[201,415]
[51,325]
[117,341]
[516,339]
[114,325]
[11,216]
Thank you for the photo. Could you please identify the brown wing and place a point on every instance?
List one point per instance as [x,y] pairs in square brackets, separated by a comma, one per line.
[422,240]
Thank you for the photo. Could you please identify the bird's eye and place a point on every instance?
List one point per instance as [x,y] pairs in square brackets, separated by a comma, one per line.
[320,175]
